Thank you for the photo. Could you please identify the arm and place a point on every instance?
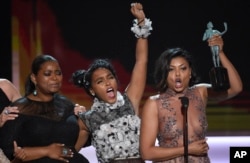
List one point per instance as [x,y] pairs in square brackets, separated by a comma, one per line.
[137,83]
[234,78]
[10,90]
[83,135]
[53,151]
[149,122]
[147,139]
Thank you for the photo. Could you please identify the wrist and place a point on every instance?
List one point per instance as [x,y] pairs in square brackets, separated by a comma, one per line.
[142,31]
[140,21]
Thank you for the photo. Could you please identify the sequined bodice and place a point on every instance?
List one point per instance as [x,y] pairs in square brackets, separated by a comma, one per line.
[171,120]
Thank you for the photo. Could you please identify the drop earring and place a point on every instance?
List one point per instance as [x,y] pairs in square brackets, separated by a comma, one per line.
[92,93]
[35,92]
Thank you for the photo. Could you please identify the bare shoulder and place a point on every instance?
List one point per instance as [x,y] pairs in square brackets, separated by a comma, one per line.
[9,89]
[154,97]
[151,101]
[4,83]
[203,89]
[206,85]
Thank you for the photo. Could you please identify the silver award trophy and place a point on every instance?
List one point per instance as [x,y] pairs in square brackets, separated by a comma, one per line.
[218,74]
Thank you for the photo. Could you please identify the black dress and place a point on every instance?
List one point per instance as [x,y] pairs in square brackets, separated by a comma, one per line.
[4,101]
[41,124]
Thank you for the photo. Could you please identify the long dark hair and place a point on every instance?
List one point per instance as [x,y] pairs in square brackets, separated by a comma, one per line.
[82,78]
[162,67]
[35,67]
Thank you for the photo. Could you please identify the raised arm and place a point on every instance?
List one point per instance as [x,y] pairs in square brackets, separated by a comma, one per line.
[137,83]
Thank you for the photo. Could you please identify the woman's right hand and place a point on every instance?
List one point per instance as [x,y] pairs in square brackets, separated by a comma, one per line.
[79,109]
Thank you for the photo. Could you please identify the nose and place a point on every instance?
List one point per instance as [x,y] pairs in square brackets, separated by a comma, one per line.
[107,82]
[54,76]
[177,73]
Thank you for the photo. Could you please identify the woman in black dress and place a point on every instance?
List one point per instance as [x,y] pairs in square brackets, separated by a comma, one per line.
[46,129]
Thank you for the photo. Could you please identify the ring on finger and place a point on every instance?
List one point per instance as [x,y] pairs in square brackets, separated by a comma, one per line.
[64,151]
[6,112]
[80,112]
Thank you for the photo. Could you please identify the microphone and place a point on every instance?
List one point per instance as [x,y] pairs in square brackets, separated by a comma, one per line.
[184,102]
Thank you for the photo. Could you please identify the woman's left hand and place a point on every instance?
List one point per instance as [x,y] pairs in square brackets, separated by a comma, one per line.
[9,113]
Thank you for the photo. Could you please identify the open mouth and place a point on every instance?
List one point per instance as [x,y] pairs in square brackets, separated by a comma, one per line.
[178,83]
[111,93]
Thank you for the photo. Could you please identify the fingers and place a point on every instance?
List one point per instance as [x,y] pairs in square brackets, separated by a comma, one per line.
[137,6]
[79,109]
[137,10]
[199,147]
[10,109]
[60,152]
[66,152]
[19,152]
[204,146]
[9,113]
[216,40]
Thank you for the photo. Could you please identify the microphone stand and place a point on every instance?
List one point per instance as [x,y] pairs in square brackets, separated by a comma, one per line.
[184,108]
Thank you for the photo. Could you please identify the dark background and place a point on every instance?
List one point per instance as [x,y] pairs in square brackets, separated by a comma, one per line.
[102,29]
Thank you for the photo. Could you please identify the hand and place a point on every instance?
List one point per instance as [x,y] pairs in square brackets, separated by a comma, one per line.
[59,152]
[79,109]
[137,11]
[199,147]
[216,40]
[55,151]
[9,113]
[19,152]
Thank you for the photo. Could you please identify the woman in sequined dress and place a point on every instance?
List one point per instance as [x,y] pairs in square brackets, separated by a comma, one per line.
[162,116]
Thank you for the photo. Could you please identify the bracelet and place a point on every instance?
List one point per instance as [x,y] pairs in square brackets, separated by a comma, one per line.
[142,31]
[140,22]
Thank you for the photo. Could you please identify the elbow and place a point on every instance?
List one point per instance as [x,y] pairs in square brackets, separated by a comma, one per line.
[238,89]
[235,90]
[145,154]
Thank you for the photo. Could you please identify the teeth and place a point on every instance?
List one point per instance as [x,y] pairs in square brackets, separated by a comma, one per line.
[110,89]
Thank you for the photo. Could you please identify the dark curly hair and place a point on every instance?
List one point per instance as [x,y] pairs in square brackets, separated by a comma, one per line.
[82,78]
